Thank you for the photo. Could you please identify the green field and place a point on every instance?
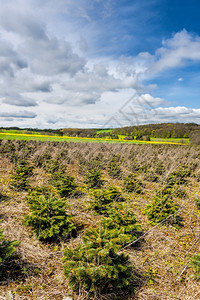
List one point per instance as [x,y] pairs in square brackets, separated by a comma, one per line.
[104,130]
[10,131]
[176,140]
[9,135]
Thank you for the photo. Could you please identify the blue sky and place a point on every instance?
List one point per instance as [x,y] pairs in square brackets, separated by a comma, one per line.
[99,63]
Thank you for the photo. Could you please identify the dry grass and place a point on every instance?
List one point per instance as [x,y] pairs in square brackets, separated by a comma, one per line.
[161,258]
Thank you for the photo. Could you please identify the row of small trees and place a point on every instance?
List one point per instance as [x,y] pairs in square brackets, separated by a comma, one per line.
[97,265]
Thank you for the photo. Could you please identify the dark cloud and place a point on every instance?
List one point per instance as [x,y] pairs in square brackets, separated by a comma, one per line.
[18,100]
[75,98]
[52,56]
[45,54]
[21,114]
[22,23]
[10,60]
[44,87]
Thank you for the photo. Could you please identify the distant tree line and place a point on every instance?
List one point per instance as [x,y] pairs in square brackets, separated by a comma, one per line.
[141,132]
[195,137]
[76,132]
[33,130]
[163,130]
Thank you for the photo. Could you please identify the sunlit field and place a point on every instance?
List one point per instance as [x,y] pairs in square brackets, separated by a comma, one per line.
[27,137]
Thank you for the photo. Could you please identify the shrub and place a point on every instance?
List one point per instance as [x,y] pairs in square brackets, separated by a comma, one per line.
[105,198]
[197,176]
[66,185]
[38,191]
[146,138]
[132,184]
[195,261]
[172,191]
[7,250]
[48,218]
[179,192]
[88,164]
[151,177]
[54,166]
[95,266]
[159,168]
[128,138]
[114,169]
[92,178]
[197,200]
[195,138]
[42,160]
[178,176]
[22,172]
[121,224]
[162,209]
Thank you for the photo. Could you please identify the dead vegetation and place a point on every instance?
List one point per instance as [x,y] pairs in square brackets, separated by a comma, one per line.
[161,256]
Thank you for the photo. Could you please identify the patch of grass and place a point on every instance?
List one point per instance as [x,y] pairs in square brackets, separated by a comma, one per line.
[103,131]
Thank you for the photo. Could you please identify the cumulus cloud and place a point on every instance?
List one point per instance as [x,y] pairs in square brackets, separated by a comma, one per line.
[178,111]
[44,70]
[98,80]
[49,65]
[149,100]
[10,60]
[52,57]
[46,54]
[176,52]
[140,114]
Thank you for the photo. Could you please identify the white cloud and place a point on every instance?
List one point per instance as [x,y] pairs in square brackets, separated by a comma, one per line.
[50,70]
[149,100]
[176,52]
[178,114]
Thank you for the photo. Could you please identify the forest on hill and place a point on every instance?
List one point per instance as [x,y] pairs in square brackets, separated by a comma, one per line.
[163,130]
